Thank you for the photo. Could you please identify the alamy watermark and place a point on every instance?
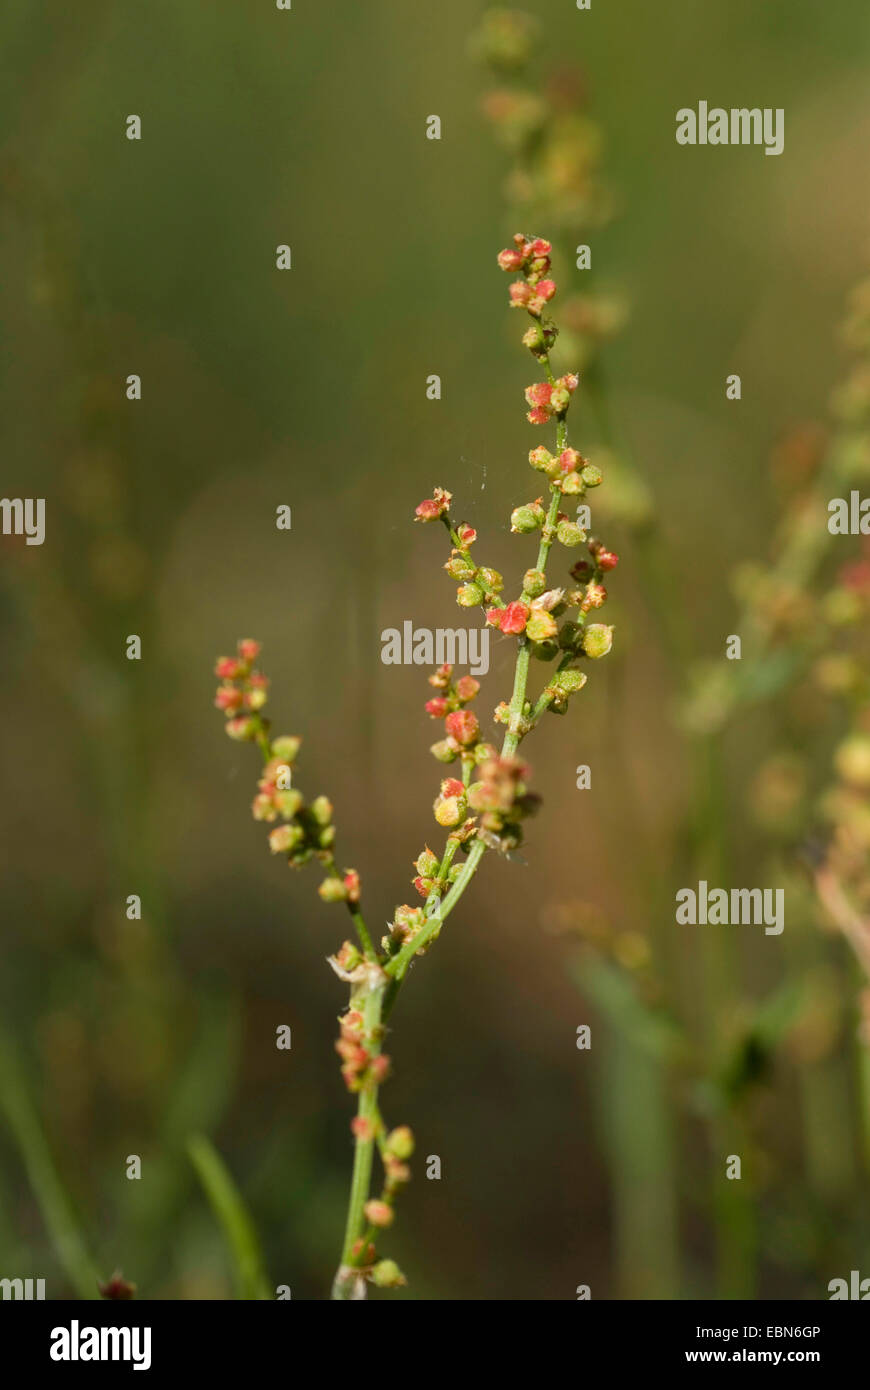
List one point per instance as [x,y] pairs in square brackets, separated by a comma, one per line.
[22,1288]
[422,646]
[23,516]
[76,1343]
[741,907]
[741,125]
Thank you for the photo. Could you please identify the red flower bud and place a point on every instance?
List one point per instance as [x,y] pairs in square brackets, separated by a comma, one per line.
[462,725]
[545,289]
[348,957]
[228,698]
[539,393]
[440,679]
[437,707]
[378,1213]
[466,688]
[117,1287]
[451,786]
[514,617]
[229,668]
[607,559]
[249,650]
[493,617]
[510,260]
[520,294]
[284,838]
[242,728]
[352,1023]
[594,597]
[433,507]
[352,885]
[466,534]
[538,416]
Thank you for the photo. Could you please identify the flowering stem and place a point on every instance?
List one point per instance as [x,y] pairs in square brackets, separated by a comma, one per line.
[345,1285]
[485,809]
[396,967]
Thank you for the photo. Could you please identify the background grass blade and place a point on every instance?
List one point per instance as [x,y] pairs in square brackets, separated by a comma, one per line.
[234,1217]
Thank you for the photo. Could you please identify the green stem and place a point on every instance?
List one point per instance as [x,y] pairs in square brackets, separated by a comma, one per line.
[362,932]
[346,1279]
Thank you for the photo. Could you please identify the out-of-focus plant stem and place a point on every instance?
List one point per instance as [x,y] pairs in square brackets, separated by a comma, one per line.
[234,1218]
[54,1202]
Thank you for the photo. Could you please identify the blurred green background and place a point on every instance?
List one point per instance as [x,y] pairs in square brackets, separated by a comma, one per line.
[307,388]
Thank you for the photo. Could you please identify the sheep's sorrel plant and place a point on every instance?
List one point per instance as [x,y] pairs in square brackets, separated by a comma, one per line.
[483,808]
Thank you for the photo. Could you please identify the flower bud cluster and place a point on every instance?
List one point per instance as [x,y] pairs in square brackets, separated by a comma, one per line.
[361,1064]
[478,584]
[568,470]
[548,399]
[461,726]
[242,692]
[406,926]
[435,507]
[306,830]
[589,574]
[429,876]
[501,799]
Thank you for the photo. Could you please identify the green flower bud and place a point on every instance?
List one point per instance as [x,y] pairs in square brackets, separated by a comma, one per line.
[527,518]
[349,957]
[597,640]
[387,1275]
[491,580]
[285,838]
[591,475]
[286,747]
[332,890]
[426,864]
[326,837]
[289,803]
[541,625]
[469,595]
[567,682]
[541,458]
[534,340]
[460,566]
[400,1141]
[320,810]
[449,811]
[444,751]
[534,583]
[571,484]
[569,533]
